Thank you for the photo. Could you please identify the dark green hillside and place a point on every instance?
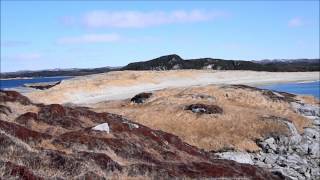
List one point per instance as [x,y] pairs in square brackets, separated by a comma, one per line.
[171,62]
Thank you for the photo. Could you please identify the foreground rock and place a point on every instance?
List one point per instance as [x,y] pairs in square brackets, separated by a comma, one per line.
[296,156]
[52,141]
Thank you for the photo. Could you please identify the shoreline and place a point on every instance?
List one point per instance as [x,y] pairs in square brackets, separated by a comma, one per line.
[47,77]
[284,82]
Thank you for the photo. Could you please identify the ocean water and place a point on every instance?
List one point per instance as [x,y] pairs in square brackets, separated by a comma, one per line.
[304,88]
[13,83]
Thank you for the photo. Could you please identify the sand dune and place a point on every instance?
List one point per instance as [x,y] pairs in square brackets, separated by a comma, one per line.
[124,84]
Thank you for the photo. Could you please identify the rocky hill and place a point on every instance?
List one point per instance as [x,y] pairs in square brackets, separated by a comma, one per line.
[53,141]
[173,62]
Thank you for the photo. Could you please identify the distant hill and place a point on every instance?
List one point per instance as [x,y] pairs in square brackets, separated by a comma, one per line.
[56,72]
[171,62]
[175,62]
[292,64]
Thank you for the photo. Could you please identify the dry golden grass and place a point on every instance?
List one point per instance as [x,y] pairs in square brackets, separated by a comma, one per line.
[309,100]
[237,127]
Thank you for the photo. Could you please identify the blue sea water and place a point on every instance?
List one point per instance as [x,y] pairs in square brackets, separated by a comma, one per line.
[12,83]
[304,88]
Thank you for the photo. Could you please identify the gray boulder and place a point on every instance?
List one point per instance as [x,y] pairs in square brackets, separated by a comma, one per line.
[240,157]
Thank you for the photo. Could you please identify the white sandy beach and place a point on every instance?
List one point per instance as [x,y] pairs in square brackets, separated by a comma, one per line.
[125,84]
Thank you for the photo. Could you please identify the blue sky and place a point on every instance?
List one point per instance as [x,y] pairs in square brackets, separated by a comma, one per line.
[78,34]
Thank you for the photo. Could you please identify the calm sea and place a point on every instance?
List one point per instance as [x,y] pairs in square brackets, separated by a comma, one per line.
[12,83]
[306,88]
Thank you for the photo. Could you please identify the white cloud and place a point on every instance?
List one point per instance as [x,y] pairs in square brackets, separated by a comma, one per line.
[296,22]
[89,38]
[26,56]
[135,19]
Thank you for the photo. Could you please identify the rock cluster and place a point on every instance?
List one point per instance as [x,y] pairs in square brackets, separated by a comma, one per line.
[296,156]
[272,95]
[204,108]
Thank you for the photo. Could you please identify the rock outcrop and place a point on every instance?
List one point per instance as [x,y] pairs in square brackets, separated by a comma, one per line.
[141,98]
[53,141]
[296,156]
[203,108]
[42,86]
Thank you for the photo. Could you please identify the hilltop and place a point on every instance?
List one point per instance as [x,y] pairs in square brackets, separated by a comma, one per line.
[175,62]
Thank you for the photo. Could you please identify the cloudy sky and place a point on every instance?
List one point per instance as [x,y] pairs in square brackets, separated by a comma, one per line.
[78,34]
